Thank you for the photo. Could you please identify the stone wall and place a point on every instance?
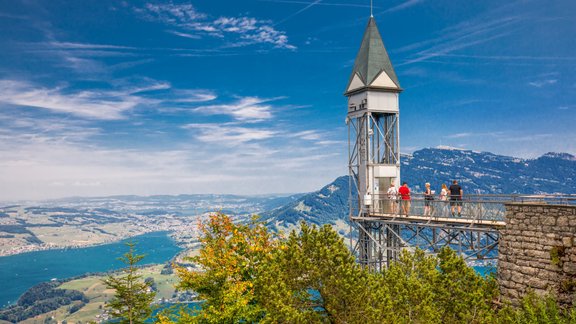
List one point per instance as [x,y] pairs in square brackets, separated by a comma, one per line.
[537,251]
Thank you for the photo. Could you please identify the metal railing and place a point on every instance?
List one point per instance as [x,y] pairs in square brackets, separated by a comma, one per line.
[470,207]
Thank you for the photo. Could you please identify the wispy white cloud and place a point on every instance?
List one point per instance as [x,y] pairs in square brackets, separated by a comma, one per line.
[83,58]
[536,138]
[98,104]
[13,16]
[483,29]
[542,83]
[554,59]
[459,135]
[229,135]
[404,5]
[475,134]
[311,135]
[191,96]
[248,30]
[323,3]
[73,45]
[88,104]
[310,5]
[185,35]
[248,109]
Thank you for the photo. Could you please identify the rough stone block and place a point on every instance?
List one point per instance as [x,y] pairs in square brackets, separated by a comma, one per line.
[538,283]
[562,221]
[549,220]
[529,271]
[538,254]
[569,268]
[568,241]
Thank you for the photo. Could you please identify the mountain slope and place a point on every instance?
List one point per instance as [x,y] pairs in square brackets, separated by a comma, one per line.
[325,206]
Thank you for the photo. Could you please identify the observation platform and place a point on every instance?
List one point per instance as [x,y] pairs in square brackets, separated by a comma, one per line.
[478,212]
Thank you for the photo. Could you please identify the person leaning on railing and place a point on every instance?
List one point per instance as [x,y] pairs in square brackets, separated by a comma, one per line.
[404,192]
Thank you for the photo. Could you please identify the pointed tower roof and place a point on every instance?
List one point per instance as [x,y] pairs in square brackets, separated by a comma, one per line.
[372,68]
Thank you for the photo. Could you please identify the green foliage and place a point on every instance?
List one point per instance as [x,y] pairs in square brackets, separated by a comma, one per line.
[314,278]
[249,276]
[132,300]
[463,294]
[556,254]
[537,309]
[232,257]
[40,299]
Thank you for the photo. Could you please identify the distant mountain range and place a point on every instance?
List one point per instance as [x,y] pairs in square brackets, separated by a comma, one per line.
[477,172]
[487,173]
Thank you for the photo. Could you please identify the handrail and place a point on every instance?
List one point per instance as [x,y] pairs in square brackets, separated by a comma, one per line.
[473,207]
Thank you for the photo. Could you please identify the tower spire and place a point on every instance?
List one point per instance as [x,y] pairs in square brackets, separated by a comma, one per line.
[373,68]
[371,15]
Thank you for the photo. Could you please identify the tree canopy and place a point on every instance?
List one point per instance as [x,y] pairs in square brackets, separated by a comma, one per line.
[249,275]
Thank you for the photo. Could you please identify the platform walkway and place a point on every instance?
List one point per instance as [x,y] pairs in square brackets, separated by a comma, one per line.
[476,210]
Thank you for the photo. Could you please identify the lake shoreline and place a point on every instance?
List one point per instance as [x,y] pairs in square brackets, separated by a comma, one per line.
[50,247]
[24,270]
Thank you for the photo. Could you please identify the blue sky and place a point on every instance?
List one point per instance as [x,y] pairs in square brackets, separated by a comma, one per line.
[165,97]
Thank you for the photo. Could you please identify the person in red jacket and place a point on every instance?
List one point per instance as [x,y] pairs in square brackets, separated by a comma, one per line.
[404,192]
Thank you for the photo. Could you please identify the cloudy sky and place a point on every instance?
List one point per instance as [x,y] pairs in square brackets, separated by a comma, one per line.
[103,97]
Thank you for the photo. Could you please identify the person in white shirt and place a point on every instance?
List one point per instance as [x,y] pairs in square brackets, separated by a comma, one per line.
[392,198]
[444,199]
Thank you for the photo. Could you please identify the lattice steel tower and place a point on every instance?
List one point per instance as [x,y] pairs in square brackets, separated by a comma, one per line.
[374,145]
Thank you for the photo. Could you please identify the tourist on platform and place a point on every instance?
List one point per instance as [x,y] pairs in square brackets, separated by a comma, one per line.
[456,194]
[392,198]
[404,192]
[428,198]
[444,199]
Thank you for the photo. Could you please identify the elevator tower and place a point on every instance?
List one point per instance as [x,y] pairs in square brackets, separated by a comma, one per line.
[374,142]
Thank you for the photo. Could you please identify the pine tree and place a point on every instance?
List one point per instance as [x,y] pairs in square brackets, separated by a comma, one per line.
[132,301]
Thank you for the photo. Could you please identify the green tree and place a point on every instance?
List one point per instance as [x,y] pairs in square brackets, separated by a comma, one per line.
[463,294]
[133,297]
[313,277]
[534,309]
[408,289]
[231,257]
[442,288]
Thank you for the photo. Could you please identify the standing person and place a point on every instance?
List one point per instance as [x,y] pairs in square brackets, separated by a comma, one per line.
[392,196]
[428,197]
[404,192]
[444,199]
[456,193]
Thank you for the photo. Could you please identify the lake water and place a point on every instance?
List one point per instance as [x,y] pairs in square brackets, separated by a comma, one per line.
[20,272]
